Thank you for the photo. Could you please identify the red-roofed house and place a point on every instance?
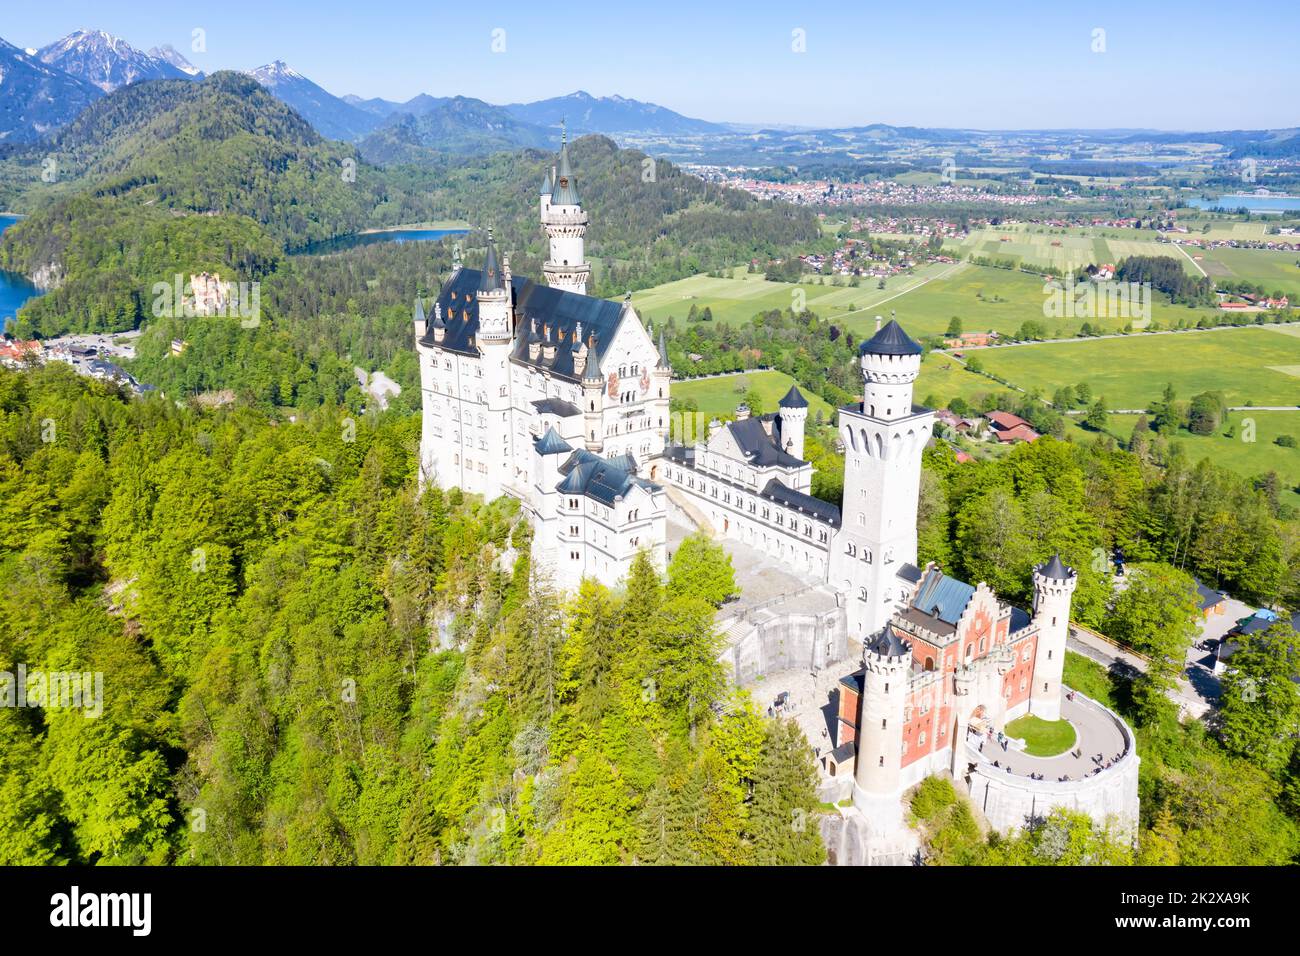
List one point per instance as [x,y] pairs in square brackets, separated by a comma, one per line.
[1008,428]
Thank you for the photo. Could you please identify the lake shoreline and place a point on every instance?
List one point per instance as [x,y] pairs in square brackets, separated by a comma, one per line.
[449,225]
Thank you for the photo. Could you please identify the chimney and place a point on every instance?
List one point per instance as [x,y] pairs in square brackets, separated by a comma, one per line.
[742,412]
[878,321]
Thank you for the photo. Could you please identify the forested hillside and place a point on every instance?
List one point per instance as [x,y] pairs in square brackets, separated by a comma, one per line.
[304,662]
[650,221]
[177,177]
[220,146]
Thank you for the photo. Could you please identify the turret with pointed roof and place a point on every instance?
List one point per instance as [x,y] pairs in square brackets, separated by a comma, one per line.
[793,399]
[565,223]
[891,340]
[490,277]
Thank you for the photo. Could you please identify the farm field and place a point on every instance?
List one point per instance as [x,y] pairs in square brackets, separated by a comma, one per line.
[1061,249]
[943,378]
[1245,458]
[721,394]
[1255,364]
[1274,270]
[738,299]
[925,301]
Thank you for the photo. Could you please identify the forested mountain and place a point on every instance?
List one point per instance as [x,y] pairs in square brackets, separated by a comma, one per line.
[305,663]
[330,116]
[609,114]
[458,124]
[222,145]
[35,98]
[181,177]
[650,221]
[106,61]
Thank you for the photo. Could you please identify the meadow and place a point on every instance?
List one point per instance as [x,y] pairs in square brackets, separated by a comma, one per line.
[738,298]
[721,394]
[925,301]
[1248,458]
[1252,365]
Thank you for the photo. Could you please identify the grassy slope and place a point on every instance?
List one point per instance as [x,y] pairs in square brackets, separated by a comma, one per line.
[1132,371]
[721,395]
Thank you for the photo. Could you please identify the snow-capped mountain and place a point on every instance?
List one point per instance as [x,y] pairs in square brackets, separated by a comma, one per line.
[107,61]
[332,117]
[167,53]
[35,98]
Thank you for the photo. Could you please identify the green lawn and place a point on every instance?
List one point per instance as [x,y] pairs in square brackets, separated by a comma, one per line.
[1251,365]
[721,394]
[1043,738]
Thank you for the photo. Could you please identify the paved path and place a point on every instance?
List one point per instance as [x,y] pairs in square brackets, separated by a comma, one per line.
[1194,693]
[1108,335]
[1097,741]
[1179,247]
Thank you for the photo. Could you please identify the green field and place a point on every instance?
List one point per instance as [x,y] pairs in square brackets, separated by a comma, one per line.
[1247,458]
[721,394]
[983,298]
[737,300]
[1275,271]
[1251,365]
[1066,249]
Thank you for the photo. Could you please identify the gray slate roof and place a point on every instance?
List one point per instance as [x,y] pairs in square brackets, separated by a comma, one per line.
[757,445]
[552,444]
[891,340]
[603,479]
[793,399]
[774,490]
[557,314]
[1056,569]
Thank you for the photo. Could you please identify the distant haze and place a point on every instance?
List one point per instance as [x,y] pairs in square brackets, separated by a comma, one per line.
[1011,65]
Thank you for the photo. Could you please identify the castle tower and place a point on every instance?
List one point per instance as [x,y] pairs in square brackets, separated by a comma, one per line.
[593,404]
[883,441]
[495,332]
[661,379]
[1054,585]
[794,416]
[878,772]
[565,224]
[545,199]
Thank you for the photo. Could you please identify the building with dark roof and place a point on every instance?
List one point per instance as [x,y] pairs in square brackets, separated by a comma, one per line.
[542,392]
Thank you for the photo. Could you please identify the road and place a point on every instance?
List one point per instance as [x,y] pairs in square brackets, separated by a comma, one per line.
[1197,688]
[1108,335]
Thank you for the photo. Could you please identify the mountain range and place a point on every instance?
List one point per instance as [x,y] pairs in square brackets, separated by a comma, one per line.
[40,92]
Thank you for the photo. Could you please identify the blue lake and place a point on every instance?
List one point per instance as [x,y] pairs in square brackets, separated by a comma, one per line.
[1250,201]
[14,288]
[374,238]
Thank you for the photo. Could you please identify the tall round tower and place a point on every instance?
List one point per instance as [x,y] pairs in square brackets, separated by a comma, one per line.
[565,223]
[883,440]
[794,417]
[1054,585]
[878,771]
[891,361]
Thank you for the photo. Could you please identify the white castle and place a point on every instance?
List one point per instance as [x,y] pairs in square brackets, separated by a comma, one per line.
[561,400]
[552,396]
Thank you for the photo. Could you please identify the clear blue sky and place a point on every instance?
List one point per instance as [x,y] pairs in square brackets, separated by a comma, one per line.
[1168,65]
